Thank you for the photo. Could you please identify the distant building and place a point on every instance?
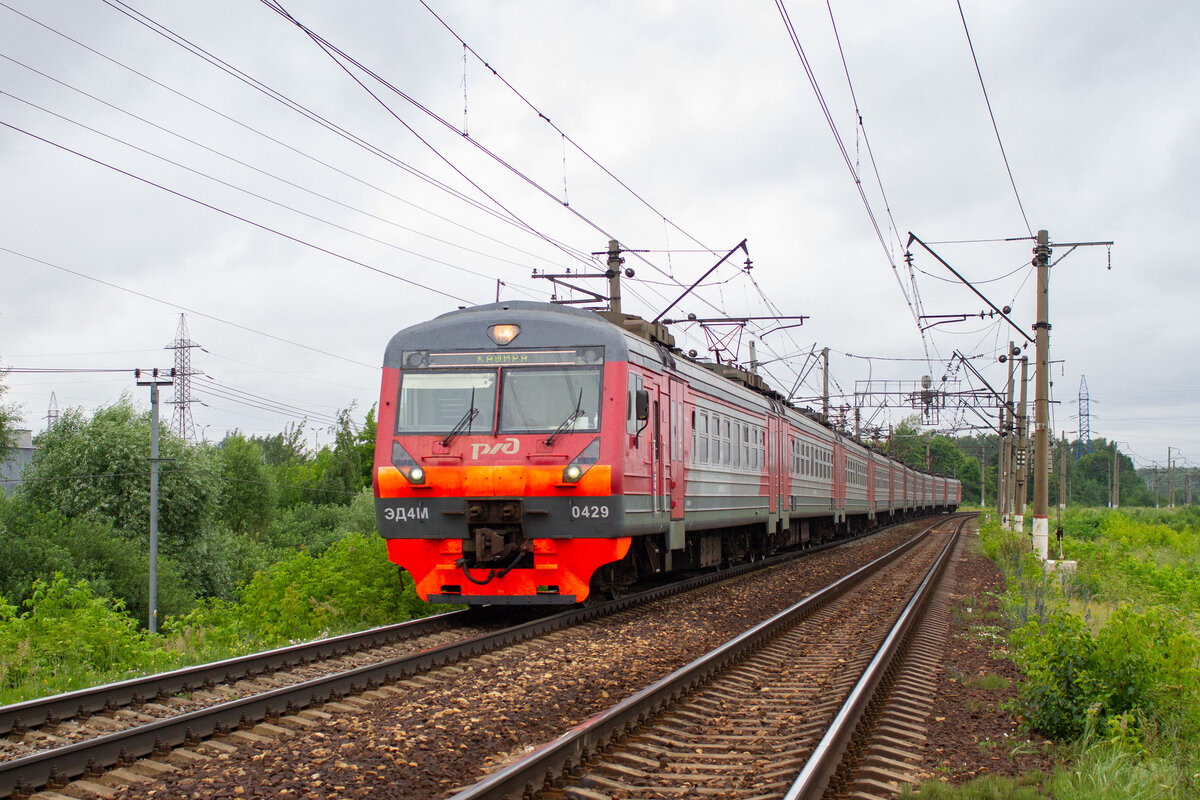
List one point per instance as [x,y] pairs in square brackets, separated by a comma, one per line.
[22,454]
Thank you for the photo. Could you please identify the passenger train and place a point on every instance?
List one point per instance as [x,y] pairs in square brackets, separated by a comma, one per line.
[533,453]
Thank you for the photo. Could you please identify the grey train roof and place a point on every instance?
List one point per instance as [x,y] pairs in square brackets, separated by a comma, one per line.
[542,325]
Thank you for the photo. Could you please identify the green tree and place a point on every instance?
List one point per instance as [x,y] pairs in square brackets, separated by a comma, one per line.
[99,469]
[247,494]
[38,543]
[365,444]
[10,416]
[285,448]
[343,475]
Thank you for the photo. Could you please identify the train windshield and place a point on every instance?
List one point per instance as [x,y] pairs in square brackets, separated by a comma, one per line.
[436,402]
[543,399]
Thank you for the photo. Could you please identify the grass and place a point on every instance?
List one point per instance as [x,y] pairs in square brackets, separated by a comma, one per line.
[1146,560]
[989,681]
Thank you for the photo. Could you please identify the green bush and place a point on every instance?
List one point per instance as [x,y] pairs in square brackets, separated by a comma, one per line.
[1142,668]
[68,638]
[351,586]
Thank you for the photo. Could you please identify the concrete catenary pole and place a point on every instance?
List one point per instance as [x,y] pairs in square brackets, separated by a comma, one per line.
[1000,468]
[1009,447]
[982,472]
[1062,469]
[1021,491]
[1116,476]
[614,276]
[825,388]
[1170,495]
[1041,401]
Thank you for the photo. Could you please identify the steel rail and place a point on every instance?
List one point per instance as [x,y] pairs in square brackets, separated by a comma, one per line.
[822,765]
[531,773]
[84,702]
[61,764]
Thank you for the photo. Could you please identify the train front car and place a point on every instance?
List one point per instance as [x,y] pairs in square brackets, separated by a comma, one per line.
[498,429]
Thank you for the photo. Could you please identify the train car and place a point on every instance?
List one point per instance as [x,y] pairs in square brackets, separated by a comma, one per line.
[536,453]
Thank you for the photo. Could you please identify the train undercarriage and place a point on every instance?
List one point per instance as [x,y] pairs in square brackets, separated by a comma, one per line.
[649,555]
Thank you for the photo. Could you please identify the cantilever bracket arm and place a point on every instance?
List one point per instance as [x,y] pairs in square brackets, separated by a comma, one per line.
[740,246]
[912,237]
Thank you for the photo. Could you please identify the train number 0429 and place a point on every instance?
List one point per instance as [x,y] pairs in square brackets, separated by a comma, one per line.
[589,512]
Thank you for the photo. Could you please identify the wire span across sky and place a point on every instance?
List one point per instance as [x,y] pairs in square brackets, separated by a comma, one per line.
[296,172]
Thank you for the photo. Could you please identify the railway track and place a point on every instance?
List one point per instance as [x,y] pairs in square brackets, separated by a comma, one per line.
[771,713]
[249,702]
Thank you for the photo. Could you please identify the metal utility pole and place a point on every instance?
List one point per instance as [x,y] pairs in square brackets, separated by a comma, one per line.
[825,388]
[1009,449]
[153,380]
[1041,402]
[1022,449]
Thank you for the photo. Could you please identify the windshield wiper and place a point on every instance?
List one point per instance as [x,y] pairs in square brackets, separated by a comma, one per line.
[465,422]
[566,423]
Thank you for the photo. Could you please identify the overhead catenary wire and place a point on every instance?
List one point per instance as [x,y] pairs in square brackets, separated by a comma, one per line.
[812,78]
[582,151]
[178,307]
[992,115]
[268,200]
[174,38]
[232,215]
[341,58]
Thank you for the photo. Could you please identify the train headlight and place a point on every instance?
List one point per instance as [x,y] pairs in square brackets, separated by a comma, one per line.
[503,334]
[407,465]
[582,463]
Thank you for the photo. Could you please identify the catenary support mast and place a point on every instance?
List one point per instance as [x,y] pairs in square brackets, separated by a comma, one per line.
[1041,401]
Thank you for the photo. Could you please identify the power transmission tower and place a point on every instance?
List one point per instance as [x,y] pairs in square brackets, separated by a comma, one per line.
[1084,445]
[52,412]
[181,417]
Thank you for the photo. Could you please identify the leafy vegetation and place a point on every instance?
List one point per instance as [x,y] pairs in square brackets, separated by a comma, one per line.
[1088,478]
[262,542]
[8,423]
[1110,653]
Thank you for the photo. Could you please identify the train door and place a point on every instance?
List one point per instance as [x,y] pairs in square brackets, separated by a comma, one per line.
[674,449]
[782,464]
[772,465]
[657,408]
[839,481]
[872,505]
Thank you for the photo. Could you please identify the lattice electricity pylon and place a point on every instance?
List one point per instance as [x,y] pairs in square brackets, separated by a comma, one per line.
[52,412]
[1084,445]
[181,417]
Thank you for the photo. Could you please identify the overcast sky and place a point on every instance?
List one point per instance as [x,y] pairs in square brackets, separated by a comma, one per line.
[142,181]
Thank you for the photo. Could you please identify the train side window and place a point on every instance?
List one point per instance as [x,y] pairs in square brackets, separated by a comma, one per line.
[702,438]
[631,423]
[694,449]
[725,442]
